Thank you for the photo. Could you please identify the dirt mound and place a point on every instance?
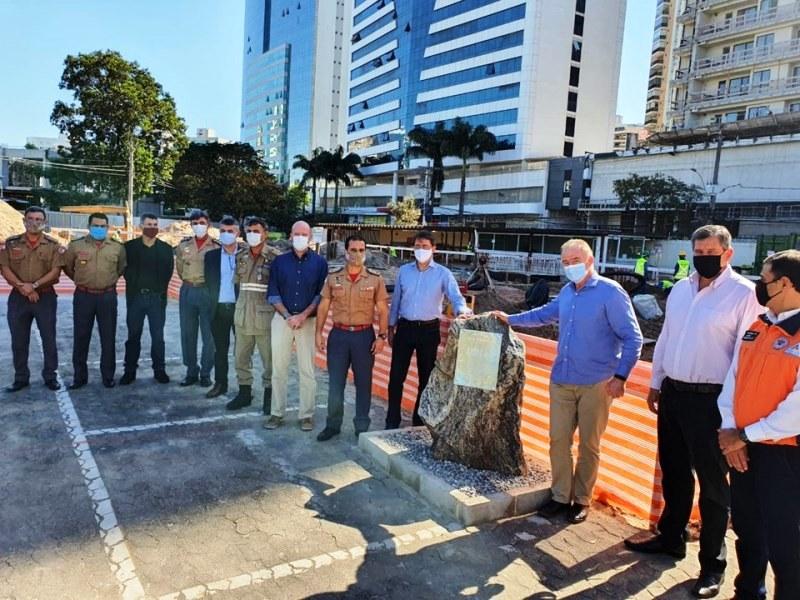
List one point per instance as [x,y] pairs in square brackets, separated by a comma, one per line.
[10,222]
[506,298]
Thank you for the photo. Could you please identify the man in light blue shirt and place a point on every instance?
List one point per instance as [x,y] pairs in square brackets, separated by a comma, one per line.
[598,345]
[416,306]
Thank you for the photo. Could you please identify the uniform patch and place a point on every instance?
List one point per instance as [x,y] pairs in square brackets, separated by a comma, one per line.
[61,249]
[794,350]
[780,343]
[17,253]
[750,335]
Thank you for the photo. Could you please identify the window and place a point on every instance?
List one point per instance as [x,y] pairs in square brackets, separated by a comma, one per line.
[794,107]
[757,111]
[577,29]
[568,148]
[732,117]
[796,72]
[574,76]
[764,44]
[572,101]
[742,50]
[580,6]
[738,85]
[767,5]
[567,186]
[761,78]
[576,50]
[569,130]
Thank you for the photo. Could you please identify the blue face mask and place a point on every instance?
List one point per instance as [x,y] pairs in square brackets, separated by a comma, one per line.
[575,272]
[98,233]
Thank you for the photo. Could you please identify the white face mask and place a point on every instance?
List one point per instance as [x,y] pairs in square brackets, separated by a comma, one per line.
[226,238]
[423,255]
[300,242]
[253,238]
[575,272]
[199,230]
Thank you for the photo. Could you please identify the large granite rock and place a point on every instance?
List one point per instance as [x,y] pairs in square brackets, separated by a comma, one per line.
[472,426]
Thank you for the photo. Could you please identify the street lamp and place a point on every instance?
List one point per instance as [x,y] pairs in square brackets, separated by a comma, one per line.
[710,191]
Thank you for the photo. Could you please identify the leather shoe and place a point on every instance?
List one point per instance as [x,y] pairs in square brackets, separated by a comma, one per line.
[326,434]
[161,377]
[217,390]
[17,386]
[553,508]
[654,545]
[127,378]
[109,383]
[577,513]
[187,381]
[52,385]
[707,585]
[204,382]
[76,385]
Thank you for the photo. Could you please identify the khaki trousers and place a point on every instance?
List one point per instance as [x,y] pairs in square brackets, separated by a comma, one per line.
[585,408]
[244,347]
[283,337]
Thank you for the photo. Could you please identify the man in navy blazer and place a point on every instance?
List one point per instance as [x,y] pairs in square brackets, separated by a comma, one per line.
[220,267]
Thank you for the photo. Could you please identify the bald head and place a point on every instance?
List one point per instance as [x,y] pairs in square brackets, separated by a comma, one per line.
[301,228]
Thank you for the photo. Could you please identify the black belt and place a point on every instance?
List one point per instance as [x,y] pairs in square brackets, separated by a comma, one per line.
[430,323]
[149,291]
[694,388]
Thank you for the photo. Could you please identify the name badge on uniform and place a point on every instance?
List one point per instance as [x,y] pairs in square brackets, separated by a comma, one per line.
[749,335]
[794,350]
[17,254]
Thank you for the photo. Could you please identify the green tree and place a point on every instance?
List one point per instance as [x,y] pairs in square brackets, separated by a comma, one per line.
[465,142]
[312,168]
[118,104]
[654,193]
[227,179]
[405,212]
[433,144]
[345,170]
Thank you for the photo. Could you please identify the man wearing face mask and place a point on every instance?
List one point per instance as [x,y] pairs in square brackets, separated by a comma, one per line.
[149,268]
[253,318]
[219,270]
[706,313]
[295,283]
[760,432]
[598,345]
[94,263]
[195,304]
[419,290]
[355,294]
[31,263]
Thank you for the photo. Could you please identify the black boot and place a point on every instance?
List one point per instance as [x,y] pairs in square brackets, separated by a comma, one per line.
[243,398]
[127,378]
[267,406]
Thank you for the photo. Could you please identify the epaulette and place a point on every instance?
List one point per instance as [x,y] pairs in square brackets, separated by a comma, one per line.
[79,239]
[50,238]
[335,268]
[14,238]
[374,272]
[186,239]
[115,240]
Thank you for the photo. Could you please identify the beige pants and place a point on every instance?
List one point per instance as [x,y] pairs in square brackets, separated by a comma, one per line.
[244,348]
[283,337]
[584,407]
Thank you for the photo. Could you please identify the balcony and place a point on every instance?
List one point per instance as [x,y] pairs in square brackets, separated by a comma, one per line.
[709,4]
[745,23]
[688,14]
[683,47]
[680,77]
[745,94]
[747,58]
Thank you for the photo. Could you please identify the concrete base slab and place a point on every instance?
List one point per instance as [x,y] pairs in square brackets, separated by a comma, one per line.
[514,496]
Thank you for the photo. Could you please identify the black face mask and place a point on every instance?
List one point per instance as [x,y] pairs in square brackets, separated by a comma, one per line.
[762,293]
[708,265]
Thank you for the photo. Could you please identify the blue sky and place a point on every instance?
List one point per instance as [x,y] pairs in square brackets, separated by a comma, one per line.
[192,47]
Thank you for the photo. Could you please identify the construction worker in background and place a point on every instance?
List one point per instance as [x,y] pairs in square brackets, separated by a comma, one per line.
[681,267]
[640,269]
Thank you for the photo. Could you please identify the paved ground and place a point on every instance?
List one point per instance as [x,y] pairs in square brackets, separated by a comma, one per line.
[153,491]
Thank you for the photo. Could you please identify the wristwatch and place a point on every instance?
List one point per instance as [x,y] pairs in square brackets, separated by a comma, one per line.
[743,436]
[382,336]
[35,284]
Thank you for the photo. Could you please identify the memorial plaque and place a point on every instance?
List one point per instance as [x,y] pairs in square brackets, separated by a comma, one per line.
[478,359]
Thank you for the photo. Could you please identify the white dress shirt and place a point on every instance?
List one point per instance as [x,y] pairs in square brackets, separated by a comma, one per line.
[702,327]
[783,422]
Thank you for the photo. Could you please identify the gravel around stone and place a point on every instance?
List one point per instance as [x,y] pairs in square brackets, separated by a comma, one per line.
[416,444]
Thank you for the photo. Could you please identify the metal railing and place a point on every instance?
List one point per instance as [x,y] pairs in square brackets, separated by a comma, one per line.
[747,22]
[751,56]
[744,93]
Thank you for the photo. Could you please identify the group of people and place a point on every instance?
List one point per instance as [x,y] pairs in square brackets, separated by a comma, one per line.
[235,287]
[726,390]
[725,377]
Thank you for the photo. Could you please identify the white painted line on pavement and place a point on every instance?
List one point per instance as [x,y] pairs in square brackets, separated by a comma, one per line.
[114,544]
[296,567]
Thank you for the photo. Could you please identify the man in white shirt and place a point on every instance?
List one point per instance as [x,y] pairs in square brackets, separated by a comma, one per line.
[760,410]
[706,314]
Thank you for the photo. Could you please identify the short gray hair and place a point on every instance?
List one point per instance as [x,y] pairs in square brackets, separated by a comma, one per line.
[708,231]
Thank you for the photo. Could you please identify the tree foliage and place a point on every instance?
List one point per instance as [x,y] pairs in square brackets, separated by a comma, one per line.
[330,166]
[117,103]
[229,179]
[405,212]
[433,144]
[655,192]
[465,142]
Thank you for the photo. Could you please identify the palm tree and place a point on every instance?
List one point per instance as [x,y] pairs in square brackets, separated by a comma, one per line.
[433,144]
[465,142]
[313,173]
[345,169]
[327,173]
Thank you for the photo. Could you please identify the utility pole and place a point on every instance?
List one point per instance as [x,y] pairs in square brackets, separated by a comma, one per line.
[712,196]
[129,203]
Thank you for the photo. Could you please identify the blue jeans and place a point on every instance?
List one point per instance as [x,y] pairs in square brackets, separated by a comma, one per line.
[350,349]
[194,307]
[152,306]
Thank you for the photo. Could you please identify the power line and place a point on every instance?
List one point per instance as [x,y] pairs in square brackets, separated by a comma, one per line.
[73,168]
